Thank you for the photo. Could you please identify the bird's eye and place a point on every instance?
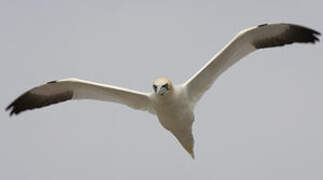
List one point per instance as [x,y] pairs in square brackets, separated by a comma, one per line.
[165,86]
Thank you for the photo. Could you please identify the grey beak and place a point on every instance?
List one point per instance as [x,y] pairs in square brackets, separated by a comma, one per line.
[161,90]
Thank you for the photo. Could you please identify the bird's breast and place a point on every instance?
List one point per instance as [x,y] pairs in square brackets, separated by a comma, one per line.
[175,115]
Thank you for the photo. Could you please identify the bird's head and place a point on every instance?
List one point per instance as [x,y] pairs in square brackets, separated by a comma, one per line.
[162,86]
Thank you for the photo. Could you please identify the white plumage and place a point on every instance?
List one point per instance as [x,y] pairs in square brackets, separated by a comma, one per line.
[173,104]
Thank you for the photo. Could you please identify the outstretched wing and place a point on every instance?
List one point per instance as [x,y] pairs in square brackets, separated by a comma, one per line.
[70,89]
[245,42]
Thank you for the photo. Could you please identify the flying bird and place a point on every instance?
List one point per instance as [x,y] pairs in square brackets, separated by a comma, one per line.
[173,104]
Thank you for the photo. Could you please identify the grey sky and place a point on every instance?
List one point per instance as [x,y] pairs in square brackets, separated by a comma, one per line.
[261,120]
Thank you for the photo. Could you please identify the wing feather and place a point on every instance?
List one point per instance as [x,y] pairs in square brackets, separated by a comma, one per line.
[69,89]
[245,42]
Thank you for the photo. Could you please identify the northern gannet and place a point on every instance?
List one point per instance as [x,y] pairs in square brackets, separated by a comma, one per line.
[173,104]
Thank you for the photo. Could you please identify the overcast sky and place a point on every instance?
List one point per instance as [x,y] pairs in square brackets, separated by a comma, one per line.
[262,119]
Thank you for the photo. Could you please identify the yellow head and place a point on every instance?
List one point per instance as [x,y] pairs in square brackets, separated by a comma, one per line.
[162,86]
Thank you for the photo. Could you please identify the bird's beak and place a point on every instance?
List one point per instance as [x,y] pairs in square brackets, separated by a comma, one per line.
[161,90]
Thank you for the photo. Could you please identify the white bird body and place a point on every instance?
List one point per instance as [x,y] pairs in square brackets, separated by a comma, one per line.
[173,104]
[175,113]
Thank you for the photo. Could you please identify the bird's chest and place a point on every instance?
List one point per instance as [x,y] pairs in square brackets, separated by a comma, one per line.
[175,115]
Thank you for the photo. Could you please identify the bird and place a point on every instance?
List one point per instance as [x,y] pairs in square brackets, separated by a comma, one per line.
[172,104]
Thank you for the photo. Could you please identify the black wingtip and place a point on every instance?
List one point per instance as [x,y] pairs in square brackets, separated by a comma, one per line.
[316,34]
[19,104]
[305,34]
[28,101]
[293,34]
[12,110]
[12,113]
[8,109]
